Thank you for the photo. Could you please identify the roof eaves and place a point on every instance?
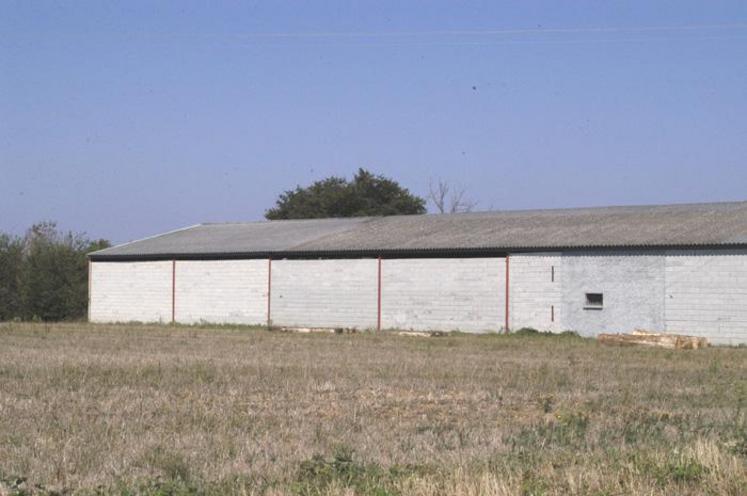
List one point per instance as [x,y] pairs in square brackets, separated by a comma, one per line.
[100,256]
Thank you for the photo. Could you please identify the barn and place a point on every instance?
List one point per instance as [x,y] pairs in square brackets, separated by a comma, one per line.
[673,268]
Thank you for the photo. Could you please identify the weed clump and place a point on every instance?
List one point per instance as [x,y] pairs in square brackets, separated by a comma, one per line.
[532,332]
[319,475]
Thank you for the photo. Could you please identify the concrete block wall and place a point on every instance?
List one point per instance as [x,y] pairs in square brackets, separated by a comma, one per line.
[221,291]
[325,293]
[130,292]
[535,291]
[632,283]
[706,294]
[446,294]
[696,292]
[422,294]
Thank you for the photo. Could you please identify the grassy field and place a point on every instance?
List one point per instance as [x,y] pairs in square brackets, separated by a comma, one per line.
[159,410]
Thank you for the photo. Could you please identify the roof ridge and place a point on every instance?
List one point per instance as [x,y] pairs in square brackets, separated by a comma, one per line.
[487,212]
[267,221]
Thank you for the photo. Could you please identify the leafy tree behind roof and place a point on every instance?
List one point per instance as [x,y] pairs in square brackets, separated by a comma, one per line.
[366,195]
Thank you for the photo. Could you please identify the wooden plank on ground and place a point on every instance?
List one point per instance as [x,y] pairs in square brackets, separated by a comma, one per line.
[662,340]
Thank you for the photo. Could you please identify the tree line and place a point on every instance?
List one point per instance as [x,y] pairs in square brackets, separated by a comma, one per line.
[44,274]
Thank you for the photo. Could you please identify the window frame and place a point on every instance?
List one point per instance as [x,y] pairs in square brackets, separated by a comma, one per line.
[591,303]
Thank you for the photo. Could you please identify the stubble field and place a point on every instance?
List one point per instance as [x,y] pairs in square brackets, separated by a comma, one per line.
[135,409]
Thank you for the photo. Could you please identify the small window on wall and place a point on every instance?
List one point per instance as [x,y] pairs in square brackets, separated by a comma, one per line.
[594,301]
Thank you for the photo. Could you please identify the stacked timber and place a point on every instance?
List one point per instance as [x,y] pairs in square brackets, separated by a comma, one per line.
[646,338]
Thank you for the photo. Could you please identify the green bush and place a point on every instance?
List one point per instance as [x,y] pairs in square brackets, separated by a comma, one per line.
[44,274]
[527,331]
[531,331]
[11,262]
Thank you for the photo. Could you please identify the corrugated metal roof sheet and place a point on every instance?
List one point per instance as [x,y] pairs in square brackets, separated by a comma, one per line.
[707,224]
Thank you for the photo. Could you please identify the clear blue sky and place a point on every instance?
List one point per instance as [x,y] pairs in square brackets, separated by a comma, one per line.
[131,118]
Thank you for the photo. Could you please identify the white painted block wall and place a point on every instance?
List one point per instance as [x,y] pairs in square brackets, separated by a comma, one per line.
[221,291]
[706,294]
[325,293]
[130,292]
[466,294]
[694,292]
[535,291]
[633,288]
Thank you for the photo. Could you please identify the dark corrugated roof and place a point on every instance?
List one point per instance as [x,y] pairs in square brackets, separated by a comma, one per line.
[706,224]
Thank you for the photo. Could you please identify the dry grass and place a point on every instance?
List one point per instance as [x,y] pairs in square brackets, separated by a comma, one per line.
[159,410]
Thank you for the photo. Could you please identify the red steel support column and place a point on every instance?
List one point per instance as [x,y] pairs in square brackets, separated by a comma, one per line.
[173,291]
[378,296]
[507,296]
[269,292]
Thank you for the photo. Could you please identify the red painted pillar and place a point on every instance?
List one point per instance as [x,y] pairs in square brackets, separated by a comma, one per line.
[173,291]
[507,295]
[269,292]
[378,297]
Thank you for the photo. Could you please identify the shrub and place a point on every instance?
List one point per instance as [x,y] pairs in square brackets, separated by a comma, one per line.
[531,331]
[527,331]
[44,275]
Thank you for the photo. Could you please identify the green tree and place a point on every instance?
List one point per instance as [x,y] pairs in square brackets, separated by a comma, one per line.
[53,280]
[366,195]
[11,261]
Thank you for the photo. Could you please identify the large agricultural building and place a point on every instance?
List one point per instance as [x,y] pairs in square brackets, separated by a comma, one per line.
[678,268]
